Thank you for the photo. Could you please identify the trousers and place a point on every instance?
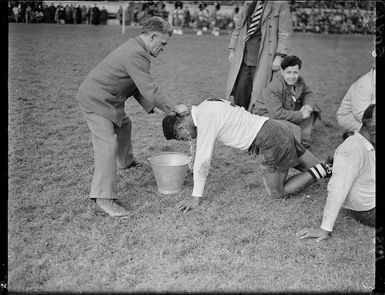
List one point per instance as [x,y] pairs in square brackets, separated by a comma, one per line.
[244,86]
[112,148]
[364,217]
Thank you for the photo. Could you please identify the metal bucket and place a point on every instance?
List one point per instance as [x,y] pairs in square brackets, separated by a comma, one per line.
[170,171]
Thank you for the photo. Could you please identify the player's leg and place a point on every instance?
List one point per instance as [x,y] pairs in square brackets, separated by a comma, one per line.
[312,170]
[274,183]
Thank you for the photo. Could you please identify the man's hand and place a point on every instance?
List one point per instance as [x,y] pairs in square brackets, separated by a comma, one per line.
[305,113]
[180,108]
[317,233]
[307,107]
[189,204]
[231,55]
[277,63]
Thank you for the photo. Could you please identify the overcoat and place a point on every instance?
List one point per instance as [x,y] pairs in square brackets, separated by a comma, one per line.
[276,28]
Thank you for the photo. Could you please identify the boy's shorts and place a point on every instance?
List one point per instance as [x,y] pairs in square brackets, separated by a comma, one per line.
[277,147]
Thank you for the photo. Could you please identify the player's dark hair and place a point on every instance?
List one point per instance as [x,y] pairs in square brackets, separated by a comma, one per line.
[169,124]
[368,114]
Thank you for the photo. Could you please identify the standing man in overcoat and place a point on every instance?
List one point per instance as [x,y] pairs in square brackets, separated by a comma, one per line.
[258,44]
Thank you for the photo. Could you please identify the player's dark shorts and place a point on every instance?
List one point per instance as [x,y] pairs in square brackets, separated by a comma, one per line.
[364,217]
[276,146]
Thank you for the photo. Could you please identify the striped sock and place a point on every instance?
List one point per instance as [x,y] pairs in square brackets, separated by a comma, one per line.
[317,171]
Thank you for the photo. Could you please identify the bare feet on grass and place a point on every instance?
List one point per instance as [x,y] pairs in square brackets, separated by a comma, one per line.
[111,207]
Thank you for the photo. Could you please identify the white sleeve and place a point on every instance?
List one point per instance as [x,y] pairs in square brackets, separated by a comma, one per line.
[362,96]
[346,167]
[207,133]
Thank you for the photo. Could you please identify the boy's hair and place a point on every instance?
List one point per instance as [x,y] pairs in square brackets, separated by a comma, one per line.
[157,24]
[291,61]
[368,114]
[169,124]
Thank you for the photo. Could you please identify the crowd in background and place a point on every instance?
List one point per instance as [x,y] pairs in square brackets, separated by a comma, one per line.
[39,12]
[334,17]
[308,16]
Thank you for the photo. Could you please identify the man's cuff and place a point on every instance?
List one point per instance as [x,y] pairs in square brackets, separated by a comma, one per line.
[327,226]
[198,188]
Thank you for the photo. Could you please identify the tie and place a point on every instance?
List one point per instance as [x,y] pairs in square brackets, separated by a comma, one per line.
[254,21]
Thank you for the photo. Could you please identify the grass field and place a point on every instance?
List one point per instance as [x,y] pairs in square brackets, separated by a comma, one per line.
[239,239]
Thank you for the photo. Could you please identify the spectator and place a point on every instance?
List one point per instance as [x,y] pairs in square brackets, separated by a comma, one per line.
[128,15]
[45,12]
[89,15]
[119,14]
[51,14]
[352,185]
[60,15]
[103,16]
[16,13]
[360,95]
[289,99]
[22,8]
[38,16]
[216,20]
[187,17]
[28,14]
[68,14]
[178,18]
[161,10]
[83,9]
[78,15]
[164,13]
[95,15]
[10,13]
[201,19]
[262,42]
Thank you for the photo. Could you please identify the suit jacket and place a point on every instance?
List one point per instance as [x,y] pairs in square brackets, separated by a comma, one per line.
[125,72]
[276,27]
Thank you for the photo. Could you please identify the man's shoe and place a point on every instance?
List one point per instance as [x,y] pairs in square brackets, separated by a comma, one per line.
[130,162]
[111,207]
